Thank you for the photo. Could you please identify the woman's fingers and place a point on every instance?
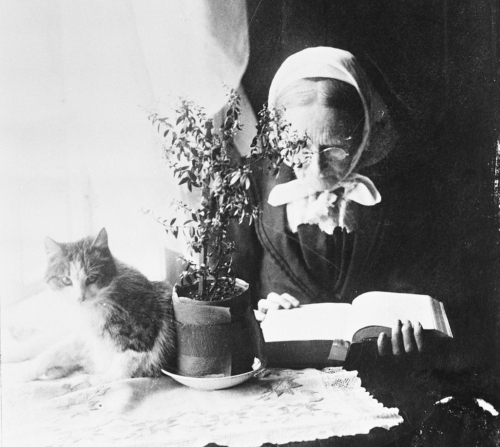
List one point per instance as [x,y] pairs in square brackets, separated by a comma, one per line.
[397,339]
[409,342]
[384,344]
[294,302]
[419,336]
[265,305]
[276,302]
[259,316]
[284,301]
[407,338]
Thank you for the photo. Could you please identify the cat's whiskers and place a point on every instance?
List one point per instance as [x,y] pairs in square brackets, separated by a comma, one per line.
[91,269]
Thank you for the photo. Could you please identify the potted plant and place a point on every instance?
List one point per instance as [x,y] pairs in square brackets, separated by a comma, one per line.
[217,334]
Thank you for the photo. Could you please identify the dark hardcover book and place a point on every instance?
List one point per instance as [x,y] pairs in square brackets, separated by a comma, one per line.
[320,335]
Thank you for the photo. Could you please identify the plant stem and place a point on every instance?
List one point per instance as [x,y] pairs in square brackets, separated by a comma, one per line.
[205,197]
[202,292]
[201,280]
[216,269]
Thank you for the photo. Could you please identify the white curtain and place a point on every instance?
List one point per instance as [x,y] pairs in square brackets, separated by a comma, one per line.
[78,79]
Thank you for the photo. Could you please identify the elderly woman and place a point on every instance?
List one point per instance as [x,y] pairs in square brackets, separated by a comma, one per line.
[322,235]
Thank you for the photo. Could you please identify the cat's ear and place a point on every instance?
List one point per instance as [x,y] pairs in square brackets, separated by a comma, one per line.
[52,247]
[101,240]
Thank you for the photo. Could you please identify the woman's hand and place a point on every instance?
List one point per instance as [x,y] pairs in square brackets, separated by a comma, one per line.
[275,302]
[407,338]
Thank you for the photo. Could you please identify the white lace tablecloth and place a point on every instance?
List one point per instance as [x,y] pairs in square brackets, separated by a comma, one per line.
[278,406]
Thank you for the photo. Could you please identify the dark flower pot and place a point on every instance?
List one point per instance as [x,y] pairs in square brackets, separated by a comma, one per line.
[216,338]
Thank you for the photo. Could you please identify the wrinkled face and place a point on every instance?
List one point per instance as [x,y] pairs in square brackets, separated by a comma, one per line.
[334,136]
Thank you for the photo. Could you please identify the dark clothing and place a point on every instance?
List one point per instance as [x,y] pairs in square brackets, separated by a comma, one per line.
[316,267]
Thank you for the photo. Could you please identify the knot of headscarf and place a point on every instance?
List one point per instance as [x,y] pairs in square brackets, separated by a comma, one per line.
[357,188]
[304,203]
[327,209]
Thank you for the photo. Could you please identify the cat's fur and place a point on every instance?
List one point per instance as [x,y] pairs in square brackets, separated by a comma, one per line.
[126,328]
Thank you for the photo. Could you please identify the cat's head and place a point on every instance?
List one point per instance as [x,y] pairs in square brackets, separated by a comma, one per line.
[82,269]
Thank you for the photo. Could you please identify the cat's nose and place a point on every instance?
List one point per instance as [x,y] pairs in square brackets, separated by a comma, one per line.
[80,298]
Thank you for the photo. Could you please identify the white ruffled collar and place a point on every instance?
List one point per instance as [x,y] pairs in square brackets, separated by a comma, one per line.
[326,208]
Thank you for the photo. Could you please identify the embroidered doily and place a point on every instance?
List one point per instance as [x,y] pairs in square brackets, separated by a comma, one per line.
[278,406]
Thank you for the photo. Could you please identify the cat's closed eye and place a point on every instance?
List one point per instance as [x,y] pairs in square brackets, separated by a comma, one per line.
[66,281]
[91,280]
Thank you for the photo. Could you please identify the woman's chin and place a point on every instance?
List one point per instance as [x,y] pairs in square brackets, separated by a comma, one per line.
[322,183]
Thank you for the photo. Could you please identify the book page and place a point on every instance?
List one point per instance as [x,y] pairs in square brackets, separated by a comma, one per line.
[384,308]
[324,321]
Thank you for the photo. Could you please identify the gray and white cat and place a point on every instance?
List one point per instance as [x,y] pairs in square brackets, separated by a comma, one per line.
[126,327]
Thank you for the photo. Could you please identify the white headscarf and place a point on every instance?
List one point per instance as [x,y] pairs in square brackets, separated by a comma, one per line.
[311,206]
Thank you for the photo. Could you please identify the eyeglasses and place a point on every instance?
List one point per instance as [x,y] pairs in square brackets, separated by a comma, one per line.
[331,153]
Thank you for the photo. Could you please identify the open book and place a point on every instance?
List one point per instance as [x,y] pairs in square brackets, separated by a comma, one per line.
[321,334]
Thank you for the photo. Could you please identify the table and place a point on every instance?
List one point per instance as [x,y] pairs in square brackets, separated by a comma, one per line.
[159,411]
[278,406]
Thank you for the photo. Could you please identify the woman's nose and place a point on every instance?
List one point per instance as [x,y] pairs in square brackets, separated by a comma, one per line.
[319,161]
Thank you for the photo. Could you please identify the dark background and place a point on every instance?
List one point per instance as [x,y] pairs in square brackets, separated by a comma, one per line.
[436,65]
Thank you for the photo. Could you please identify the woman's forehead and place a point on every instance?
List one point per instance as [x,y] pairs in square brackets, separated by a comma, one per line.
[327,91]
[299,93]
[322,124]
